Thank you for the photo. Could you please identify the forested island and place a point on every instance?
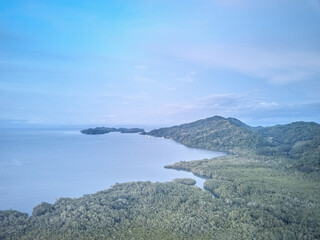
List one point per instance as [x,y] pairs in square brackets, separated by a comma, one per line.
[104,130]
[267,187]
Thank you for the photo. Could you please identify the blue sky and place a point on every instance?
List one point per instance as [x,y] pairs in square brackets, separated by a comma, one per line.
[159,62]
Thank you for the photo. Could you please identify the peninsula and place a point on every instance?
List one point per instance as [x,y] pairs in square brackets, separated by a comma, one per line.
[103,130]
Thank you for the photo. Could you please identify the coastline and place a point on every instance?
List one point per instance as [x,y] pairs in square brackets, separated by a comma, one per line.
[99,142]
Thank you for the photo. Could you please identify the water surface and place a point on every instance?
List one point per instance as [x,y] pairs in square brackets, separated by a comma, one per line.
[43,165]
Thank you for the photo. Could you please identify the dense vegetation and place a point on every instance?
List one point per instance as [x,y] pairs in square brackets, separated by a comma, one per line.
[216,133]
[185,181]
[298,142]
[266,188]
[103,130]
[272,195]
[145,210]
[276,172]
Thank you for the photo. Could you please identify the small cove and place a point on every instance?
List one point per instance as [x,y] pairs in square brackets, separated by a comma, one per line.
[43,165]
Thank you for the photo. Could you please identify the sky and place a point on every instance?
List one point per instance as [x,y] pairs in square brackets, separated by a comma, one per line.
[159,62]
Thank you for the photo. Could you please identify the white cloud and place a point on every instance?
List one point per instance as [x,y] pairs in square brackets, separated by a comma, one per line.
[104,119]
[220,104]
[289,77]
[137,96]
[143,80]
[246,106]
[170,88]
[277,66]
[141,67]
[267,105]
[17,163]
[229,3]
[173,109]
[111,116]
[189,78]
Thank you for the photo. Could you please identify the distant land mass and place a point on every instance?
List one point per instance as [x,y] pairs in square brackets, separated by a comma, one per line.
[267,187]
[103,130]
[298,141]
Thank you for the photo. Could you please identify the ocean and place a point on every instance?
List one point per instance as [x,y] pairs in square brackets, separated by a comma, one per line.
[42,165]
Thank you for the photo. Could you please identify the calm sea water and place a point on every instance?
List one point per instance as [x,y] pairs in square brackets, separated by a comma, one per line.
[43,165]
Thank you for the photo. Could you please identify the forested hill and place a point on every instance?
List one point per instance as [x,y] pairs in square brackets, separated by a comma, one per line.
[299,141]
[215,133]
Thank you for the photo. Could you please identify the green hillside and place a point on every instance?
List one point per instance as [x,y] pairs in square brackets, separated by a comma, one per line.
[215,133]
[298,142]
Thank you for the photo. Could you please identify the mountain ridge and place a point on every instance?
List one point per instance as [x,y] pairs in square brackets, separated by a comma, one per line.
[219,133]
[299,141]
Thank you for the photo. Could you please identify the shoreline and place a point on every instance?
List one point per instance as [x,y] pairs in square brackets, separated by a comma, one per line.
[199,181]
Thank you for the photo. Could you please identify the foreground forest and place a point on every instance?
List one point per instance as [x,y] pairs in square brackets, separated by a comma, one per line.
[267,187]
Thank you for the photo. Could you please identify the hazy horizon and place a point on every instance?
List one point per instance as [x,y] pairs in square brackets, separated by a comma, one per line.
[11,124]
[158,63]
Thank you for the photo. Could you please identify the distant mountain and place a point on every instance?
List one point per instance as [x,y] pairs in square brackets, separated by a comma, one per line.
[215,133]
[299,140]
[292,133]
